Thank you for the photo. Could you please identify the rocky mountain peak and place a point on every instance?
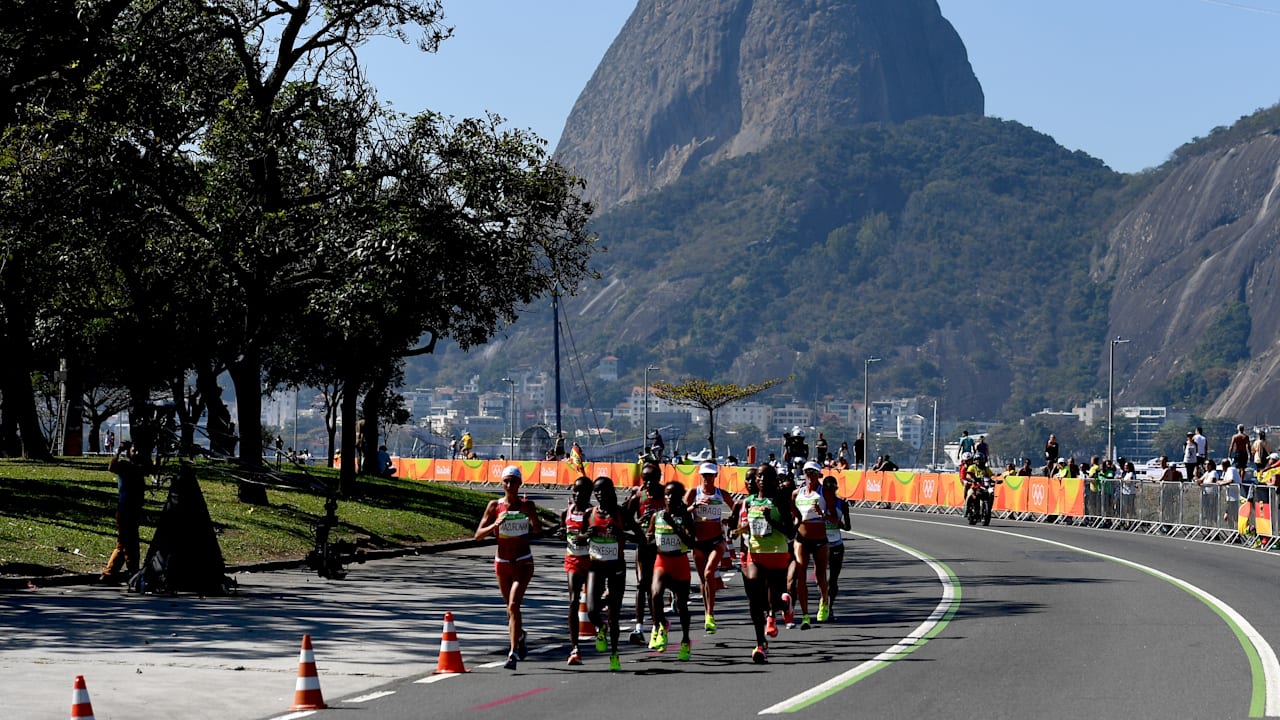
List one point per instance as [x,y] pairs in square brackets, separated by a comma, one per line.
[690,83]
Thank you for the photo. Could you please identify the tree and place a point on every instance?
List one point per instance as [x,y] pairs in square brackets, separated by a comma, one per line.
[699,393]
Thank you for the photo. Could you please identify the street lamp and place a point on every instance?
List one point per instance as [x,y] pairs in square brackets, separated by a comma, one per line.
[1111,395]
[512,383]
[644,442]
[866,411]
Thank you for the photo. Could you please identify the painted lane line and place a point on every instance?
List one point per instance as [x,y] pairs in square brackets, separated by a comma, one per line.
[545,649]
[371,696]
[1264,667]
[934,624]
[435,678]
[513,698]
[494,664]
[1263,664]
[295,716]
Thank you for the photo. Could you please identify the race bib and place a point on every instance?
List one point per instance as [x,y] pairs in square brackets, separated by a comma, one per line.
[514,525]
[576,549]
[833,535]
[760,527]
[709,512]
[669,542]
[604,551]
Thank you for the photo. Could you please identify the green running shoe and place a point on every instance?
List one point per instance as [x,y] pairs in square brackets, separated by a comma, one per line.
[660,642]
[686,652]
[615,663]
[804,623]
[602,643]
[710,625]
[824,611]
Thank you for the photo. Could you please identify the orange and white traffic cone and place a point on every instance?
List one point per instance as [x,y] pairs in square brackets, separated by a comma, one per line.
[586,629]
[306,693]
[80,706]
[450,652]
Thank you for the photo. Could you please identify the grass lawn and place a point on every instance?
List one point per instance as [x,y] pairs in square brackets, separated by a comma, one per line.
[58,518]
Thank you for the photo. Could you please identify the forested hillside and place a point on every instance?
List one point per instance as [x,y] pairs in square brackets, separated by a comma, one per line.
[959,249]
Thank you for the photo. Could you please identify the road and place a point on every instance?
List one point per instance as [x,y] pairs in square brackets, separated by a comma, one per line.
[936,618]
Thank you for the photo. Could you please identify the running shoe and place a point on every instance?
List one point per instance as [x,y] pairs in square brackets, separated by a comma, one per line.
[804,623]
[602,643]
[510,664]
[637,635]
[771,627]
[615,663]
[759,655]
[522,647]
[824,611]
[686,652]
[574,657]
[710,625]
[788,614]
[660,642]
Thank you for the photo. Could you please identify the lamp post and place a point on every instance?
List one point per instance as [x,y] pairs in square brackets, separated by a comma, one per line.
[644,442]
[866,412]
[512,383]
[1111,395]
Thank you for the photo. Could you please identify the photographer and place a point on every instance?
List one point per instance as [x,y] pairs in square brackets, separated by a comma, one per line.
[131,494]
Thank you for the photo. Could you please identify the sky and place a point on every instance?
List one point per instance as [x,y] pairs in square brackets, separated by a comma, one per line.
[1126,81]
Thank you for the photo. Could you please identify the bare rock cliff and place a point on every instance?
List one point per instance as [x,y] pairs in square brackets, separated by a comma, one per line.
[688,83]
[1207,236]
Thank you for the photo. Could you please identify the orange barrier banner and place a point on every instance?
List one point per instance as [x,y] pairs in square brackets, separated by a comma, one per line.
[1043,496]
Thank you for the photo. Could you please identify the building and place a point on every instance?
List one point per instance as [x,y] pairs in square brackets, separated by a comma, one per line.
[608,369]
[747,413]
[911,430]
[789,416]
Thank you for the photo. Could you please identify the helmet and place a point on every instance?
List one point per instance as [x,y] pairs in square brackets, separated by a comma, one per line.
[966,456]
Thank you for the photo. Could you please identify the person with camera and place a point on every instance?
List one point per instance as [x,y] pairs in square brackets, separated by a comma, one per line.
[131,494]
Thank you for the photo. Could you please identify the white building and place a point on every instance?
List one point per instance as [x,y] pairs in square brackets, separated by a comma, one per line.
[747,413]
[790,415]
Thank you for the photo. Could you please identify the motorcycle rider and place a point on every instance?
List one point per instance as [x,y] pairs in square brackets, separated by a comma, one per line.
[977,475]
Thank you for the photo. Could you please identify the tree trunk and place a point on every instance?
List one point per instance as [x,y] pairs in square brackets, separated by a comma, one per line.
[347,473]
[22,435]
[246,376]
[372,425]
[73,397]
[711,432]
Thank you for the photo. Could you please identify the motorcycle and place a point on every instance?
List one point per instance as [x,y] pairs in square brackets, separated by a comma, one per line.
[981,496]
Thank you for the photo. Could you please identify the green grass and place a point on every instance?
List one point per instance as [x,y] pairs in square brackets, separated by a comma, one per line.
[58,518]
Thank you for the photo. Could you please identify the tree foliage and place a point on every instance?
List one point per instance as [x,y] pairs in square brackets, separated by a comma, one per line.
[709,396]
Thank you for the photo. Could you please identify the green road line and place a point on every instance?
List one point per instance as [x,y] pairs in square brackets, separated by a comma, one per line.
[925,631]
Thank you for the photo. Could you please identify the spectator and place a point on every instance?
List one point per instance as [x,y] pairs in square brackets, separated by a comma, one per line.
[1231,478]
[820,447]
[1260,450]
[886,464]
[1168,473]
[558,450]
[1189,452]
[967,445]
[1025,470]
[1210,483]
[982,449]
[843,453]
[468,444]
[1238,449]
[1093,488]
[385,467]
[453,447]
[1050,454]
[1128,492]
[659,446]
[1202,450]
[860,451]
[279,450]
[131,494]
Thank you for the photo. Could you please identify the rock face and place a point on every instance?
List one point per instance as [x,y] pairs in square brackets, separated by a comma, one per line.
[1207,236]
[689,83]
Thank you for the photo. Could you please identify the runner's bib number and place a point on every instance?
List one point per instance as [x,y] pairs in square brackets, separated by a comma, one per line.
[605,550]
[760,527]
[669,542]
[514,525]
[709,512]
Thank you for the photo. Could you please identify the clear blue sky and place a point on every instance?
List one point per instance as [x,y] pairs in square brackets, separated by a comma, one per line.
[1126,81]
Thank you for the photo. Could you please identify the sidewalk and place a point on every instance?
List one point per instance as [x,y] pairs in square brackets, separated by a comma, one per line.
[235,657]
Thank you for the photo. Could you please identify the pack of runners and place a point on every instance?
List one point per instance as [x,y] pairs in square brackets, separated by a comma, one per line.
[778,528]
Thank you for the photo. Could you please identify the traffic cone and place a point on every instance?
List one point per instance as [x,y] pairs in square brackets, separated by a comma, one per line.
[306,693]
[586,629]
[450,652]
[80,705]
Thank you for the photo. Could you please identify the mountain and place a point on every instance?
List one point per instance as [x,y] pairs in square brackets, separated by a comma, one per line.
[688,84]
[1196,262]
[986,264]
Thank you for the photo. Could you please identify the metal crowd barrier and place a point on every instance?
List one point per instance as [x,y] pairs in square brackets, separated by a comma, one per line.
[1239,515]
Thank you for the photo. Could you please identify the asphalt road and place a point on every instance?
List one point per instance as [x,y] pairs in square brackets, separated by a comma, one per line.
[936,618]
